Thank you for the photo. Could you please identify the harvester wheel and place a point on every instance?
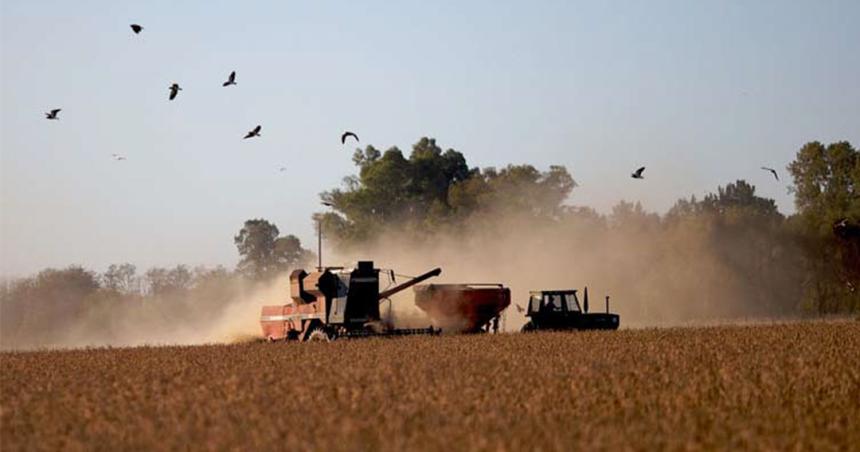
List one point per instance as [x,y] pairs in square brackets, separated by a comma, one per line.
[319,335]
[529,327]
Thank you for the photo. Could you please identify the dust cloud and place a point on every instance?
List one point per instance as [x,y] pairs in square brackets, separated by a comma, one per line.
[226,314]
[655,275]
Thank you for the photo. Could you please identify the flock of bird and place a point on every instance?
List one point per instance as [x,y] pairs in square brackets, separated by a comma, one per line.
[174,90]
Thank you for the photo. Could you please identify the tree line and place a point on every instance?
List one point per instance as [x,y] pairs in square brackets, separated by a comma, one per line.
[433,191]
[808,261]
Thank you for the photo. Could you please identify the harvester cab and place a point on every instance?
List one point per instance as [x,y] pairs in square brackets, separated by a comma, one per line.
[560,310]
[334,302]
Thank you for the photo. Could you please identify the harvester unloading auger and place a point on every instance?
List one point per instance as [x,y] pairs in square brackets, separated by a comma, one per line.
[334,302]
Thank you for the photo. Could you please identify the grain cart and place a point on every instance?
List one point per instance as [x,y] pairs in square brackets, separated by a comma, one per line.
[463,308]
[560,310]
[334,302]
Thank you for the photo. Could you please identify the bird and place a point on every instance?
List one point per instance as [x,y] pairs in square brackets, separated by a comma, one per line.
[282,169]
[174,90]
[231,80]
[519,308]
[346,135]
[253,133]
[136,28]
[772,171]
[53,113]
[118,157]
[638,173]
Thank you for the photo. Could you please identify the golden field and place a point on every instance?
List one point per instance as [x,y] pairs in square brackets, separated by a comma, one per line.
[781,386]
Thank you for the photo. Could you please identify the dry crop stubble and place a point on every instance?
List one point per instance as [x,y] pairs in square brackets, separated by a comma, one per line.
[770,386]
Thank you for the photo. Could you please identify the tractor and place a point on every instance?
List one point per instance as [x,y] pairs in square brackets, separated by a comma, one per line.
[560,310]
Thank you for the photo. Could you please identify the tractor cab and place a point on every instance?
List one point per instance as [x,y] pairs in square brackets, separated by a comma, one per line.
[560,310]
[553,302]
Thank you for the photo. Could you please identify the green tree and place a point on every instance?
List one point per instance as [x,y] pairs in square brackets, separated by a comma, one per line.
[739,198]
[264,253]
[433,189]
[256,245]
[521,189]
[827,190]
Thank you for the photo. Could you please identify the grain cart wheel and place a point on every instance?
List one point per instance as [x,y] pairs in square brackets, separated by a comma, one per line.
[529,327]
[319,335]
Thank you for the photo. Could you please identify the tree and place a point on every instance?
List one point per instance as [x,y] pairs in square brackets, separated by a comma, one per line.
[162,281]
[740,195]
[64,289]
[630,216]
[827,191]
[433,189]
[264,254]
[48,303]
[514,189]
[256,245]
[826,183]
[121,278]
[289,254]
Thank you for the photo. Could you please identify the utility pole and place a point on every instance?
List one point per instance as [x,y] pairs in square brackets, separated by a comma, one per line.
[319,243]
[319,238]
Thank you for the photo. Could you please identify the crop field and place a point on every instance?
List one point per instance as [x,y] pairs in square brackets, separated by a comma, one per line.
[780,386]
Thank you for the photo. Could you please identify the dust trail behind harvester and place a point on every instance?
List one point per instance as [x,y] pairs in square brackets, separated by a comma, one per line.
[671,275]
[194,317]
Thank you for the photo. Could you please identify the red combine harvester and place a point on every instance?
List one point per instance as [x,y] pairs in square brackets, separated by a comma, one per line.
[464,308]
[333,303]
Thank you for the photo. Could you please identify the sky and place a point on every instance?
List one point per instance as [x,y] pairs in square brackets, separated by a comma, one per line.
[701,93]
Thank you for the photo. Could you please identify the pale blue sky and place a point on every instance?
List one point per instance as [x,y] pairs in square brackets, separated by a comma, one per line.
[702,93]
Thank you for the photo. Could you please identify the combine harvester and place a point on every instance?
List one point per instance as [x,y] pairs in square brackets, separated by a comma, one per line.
[333,303]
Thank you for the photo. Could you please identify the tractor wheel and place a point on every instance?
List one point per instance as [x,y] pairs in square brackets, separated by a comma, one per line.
[319,335]
[529,327]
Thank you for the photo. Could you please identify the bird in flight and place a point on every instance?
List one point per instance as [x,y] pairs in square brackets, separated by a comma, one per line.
[174,90]
[231,80]
[136,28]
[253,133]
[638,173]
[53,113]
[773,171]
[118,157]
[519,308]
[346,135]
[282,169]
